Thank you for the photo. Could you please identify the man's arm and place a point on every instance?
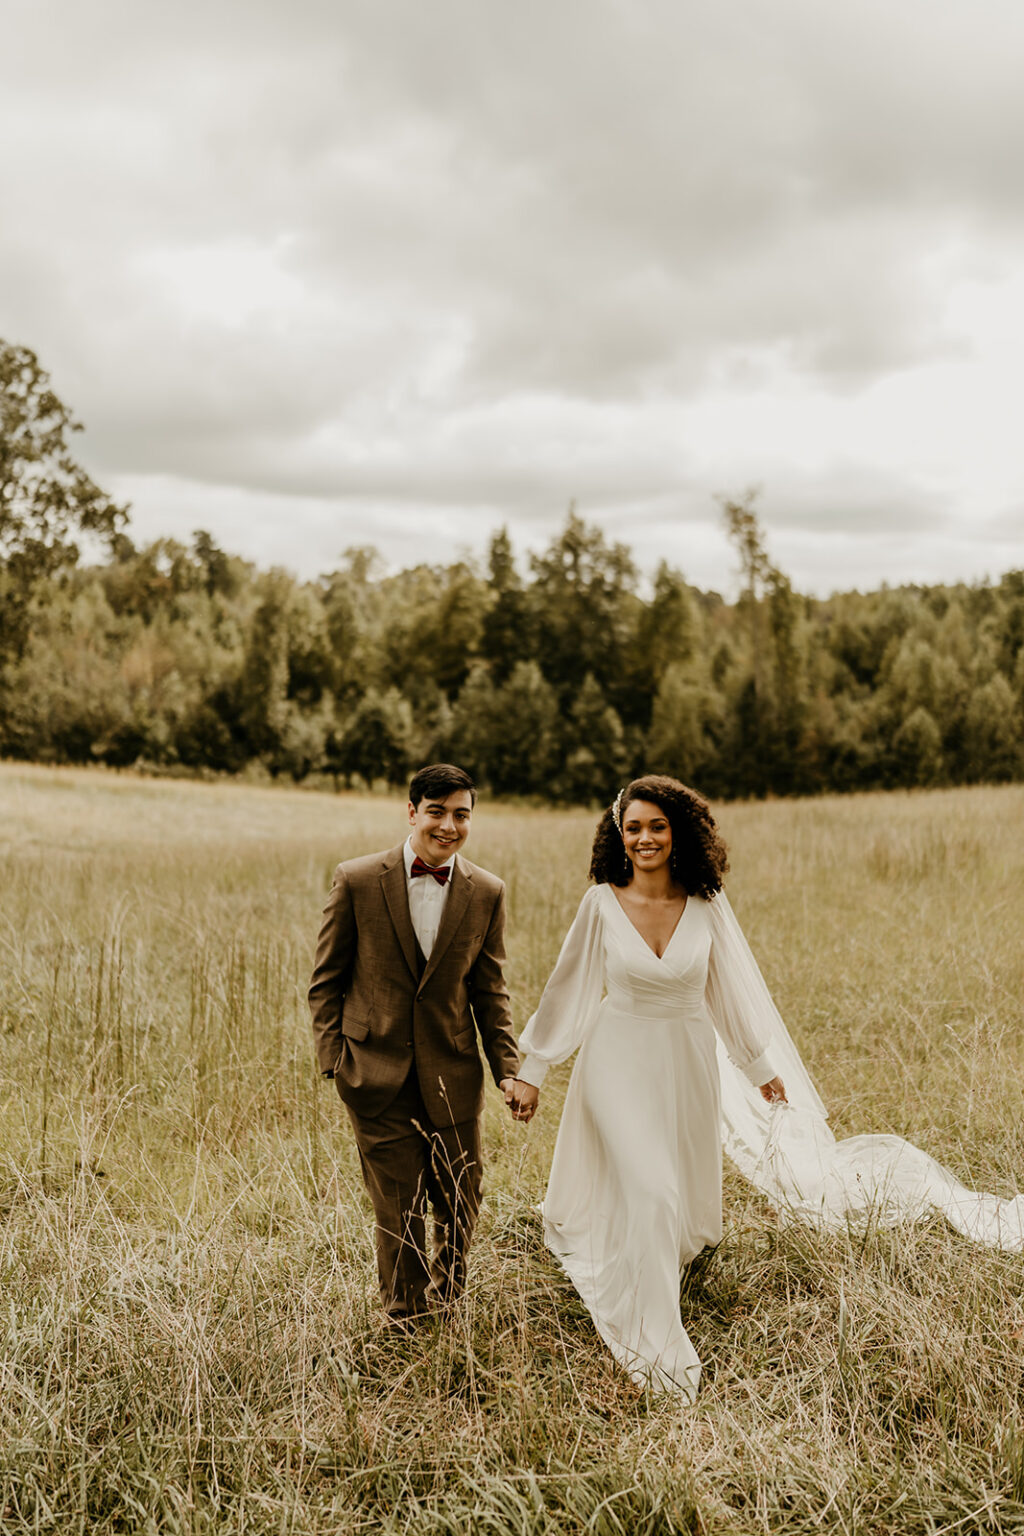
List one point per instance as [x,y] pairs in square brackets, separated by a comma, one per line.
[335,948]
[490,1001]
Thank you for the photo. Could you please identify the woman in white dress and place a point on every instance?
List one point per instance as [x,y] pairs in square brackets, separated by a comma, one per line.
[653,980]
[635,1191]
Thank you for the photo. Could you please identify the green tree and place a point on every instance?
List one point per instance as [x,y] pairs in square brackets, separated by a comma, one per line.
[506,635]
[508,736]
[665,634]
[918,749]
[583,606]
[378,738]
[521,753]
[666,627]
[219,573]
[685,723]
[864,630]
[596,759]
[752,749]
[435,617]
[285,708]
[448,641]
[354,607]
[47,500]
[1010,621]
[263,685]
[474,723]
[68,700]
[149,581]
[433,718]
[994,746]
[310,660]
[793,768]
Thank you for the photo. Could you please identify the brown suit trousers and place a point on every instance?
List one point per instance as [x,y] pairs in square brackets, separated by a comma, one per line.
[399,1035]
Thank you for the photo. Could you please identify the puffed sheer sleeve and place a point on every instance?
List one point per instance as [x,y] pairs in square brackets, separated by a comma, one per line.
[748,1022]
[570,1000]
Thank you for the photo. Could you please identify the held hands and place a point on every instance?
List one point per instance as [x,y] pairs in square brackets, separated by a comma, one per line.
[774,1091]
[520,1097]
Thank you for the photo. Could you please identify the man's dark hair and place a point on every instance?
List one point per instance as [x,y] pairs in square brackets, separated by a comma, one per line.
[438,782]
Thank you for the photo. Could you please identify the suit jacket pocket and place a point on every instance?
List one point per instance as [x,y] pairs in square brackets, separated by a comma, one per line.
[354,1028]
[465,1039]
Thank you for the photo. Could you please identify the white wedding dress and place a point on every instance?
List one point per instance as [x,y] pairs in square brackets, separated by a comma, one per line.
[671,1052]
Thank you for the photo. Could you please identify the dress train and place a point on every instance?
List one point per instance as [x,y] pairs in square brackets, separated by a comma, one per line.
[671,1051]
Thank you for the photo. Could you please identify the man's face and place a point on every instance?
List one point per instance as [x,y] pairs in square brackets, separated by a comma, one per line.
[440,827]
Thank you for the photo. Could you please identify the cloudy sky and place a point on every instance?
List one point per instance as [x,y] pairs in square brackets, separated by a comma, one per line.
[339,272]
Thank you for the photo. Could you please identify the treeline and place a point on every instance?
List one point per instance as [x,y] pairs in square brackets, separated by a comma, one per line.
[558,679]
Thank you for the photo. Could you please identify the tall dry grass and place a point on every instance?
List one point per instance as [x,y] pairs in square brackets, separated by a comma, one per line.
[191,1339]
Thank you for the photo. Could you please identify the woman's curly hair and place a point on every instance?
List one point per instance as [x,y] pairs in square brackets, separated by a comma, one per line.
[698,860]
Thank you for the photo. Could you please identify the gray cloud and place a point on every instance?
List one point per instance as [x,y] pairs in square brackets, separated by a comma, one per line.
[474,260]
[847,499]
[1006,527]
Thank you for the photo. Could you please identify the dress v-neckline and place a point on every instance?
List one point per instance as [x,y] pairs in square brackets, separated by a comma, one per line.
[649,948]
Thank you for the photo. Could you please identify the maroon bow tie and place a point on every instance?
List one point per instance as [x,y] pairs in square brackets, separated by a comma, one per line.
[440,875]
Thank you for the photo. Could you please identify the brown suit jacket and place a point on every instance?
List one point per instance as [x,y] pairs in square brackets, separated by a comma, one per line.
[375,1006]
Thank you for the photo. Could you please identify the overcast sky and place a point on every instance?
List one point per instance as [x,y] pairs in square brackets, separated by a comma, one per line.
[338,272]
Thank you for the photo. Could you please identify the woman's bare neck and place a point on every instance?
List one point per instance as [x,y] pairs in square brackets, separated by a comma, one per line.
[653,885]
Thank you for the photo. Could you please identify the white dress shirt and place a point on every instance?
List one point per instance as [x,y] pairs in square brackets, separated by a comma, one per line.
[426,900]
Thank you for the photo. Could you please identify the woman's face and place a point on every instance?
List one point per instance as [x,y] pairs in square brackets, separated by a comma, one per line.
[647,835]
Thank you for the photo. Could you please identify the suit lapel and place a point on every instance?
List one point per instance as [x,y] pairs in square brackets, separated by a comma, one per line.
[396,894]
[454,909]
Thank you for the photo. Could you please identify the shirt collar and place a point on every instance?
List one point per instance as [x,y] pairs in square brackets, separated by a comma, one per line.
[409,855]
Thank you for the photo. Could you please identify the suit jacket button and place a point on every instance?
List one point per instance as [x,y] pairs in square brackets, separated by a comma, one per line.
[408,1045]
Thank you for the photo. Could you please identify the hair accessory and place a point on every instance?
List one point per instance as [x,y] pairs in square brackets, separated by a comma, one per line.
[617,811]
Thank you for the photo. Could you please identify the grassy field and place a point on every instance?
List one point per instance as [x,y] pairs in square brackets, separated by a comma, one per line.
[192,1341]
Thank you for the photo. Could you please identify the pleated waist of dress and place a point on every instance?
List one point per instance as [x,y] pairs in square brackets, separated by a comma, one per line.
[657,1002]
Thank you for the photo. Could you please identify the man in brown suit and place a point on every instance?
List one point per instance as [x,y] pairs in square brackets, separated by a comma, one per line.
[408,971]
